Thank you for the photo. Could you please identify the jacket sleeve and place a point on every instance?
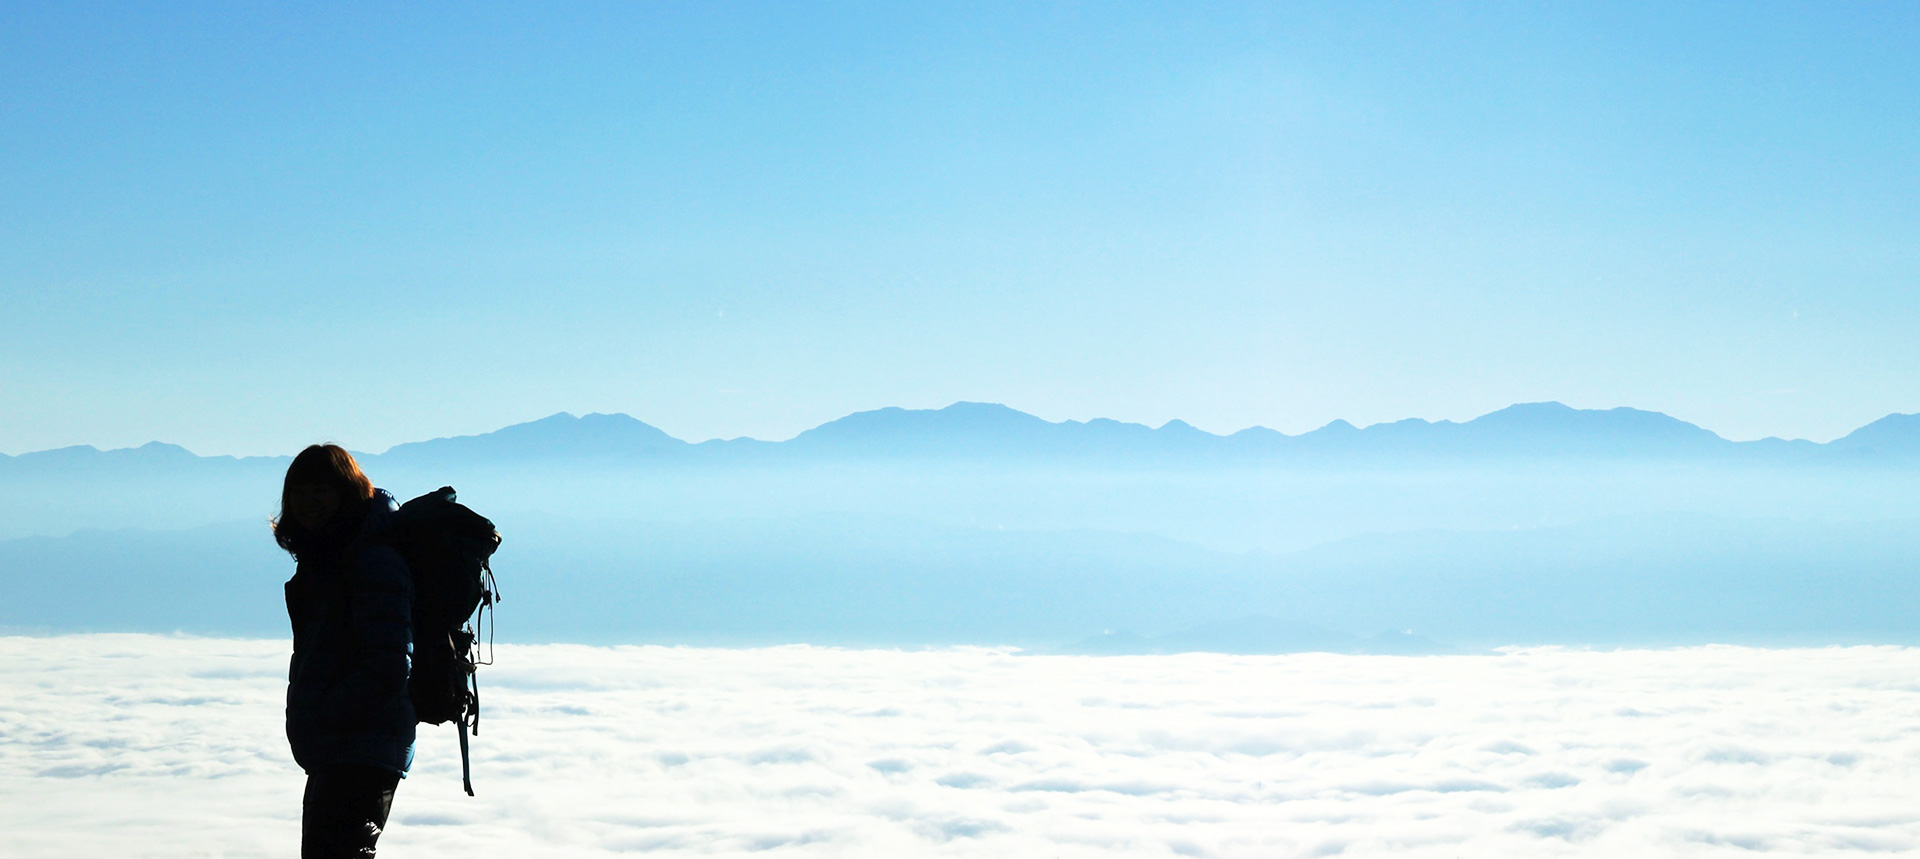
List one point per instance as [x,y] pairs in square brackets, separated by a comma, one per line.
[379,639]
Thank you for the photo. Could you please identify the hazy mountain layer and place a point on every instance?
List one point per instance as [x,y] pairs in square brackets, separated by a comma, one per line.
[980,524]
[973,464]
[985,430]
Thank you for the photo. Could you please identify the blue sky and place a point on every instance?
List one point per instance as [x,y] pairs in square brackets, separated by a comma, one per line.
[243,228]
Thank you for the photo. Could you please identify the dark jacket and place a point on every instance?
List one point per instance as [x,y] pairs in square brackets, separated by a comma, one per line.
[352,650]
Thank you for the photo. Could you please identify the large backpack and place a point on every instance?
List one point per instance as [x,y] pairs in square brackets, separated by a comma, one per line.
[447,547]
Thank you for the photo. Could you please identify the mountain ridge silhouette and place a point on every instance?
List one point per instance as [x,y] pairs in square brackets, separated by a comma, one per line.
[973,429]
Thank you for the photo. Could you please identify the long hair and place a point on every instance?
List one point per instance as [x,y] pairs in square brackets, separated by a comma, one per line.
[328,465]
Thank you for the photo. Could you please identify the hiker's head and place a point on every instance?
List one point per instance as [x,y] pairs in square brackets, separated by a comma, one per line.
[323,485]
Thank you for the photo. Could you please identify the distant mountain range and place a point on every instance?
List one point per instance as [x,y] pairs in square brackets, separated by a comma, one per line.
[974,431]
[977,523]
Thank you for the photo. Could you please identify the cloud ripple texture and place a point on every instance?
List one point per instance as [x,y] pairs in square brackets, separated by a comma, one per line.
[124,745]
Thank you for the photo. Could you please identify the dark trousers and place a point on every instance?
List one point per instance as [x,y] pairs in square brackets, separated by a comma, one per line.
[343,811]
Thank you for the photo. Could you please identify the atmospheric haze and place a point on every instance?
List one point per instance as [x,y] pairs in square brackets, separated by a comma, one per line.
[980,525]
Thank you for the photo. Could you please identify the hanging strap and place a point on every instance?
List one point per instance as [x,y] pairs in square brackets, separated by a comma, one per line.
[466,770]
[469,717]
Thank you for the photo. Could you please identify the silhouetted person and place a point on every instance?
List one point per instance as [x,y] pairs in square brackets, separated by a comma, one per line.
[349,719]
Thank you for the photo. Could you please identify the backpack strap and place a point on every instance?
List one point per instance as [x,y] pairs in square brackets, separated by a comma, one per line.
[345,568]
[466,768]
[469,719]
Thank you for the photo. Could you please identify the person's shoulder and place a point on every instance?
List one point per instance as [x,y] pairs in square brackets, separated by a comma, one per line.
[382,509]
[378,559]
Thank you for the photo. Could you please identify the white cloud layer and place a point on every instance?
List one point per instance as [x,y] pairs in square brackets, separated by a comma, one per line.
[121,745]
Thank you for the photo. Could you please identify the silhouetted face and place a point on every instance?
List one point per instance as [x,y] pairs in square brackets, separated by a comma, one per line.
[312,505]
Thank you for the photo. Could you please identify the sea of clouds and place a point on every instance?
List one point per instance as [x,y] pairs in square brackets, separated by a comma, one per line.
[124,745]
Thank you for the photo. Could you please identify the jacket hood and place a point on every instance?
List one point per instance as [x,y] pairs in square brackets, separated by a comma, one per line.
[381,510]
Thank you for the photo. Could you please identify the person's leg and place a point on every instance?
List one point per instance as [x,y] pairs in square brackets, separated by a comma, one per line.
[344,811]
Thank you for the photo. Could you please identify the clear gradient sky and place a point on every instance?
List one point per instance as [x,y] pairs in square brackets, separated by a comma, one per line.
[244,228]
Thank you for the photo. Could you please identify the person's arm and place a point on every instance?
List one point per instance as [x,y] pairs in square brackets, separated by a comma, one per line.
[379,638]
